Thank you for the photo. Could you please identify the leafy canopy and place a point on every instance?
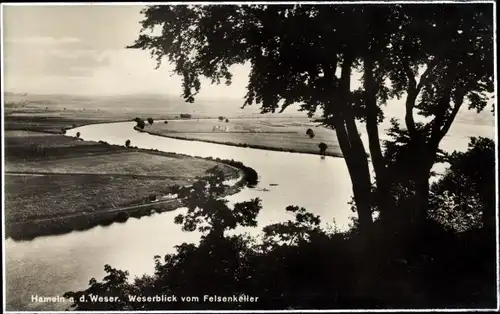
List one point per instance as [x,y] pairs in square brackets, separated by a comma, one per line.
[289,61]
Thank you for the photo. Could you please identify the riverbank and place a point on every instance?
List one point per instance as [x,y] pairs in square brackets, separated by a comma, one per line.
[29,230]
[285,135]
[65,223]
[56,184]
[53,124]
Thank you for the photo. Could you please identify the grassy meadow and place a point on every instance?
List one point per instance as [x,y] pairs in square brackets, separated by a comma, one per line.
[85,176]
[282,134]
[56,184]
[53,113]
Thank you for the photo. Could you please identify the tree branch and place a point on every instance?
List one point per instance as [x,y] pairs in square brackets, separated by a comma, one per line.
[425,76]
[337,121]
[413,91]
[450,119]
[443,105]
[371,118]
[410,99]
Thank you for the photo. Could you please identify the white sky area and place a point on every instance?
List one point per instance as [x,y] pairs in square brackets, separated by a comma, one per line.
[81,50]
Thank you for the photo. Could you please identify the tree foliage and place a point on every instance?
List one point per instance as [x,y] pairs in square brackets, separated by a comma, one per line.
[140,124]
[310,133]
[297,264]
[208,210]
[312,66]
[322,148]
[464,198]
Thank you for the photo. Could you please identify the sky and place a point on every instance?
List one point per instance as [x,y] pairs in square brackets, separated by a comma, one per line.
[81,50]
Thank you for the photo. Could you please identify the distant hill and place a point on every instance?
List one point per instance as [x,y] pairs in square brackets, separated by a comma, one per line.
[155,103]
[168,104]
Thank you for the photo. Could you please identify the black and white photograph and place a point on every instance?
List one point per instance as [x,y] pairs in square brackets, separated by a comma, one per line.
[249,156]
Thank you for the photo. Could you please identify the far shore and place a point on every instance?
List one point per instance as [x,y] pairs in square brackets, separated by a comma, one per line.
[262,147]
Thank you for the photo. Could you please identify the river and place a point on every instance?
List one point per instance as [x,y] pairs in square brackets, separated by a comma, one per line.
[52,265]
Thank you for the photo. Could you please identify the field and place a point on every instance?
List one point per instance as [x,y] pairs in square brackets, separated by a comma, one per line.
[283,134]
[51,176]
[54,183]
[122,107]
[53,113]
[115,161]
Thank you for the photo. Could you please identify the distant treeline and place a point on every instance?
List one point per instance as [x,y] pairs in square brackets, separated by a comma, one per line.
[250,176]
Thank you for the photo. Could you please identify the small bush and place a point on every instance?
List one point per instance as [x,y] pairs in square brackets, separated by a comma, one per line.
[250,175]
[127,143]
[122,217]
[322,148]
[310,133]
[141,124]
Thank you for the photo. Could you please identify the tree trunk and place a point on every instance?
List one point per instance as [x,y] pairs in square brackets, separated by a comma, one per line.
[361,185]
[425,156]
[362,195]
[350,140]
[383,196]
[421,198]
